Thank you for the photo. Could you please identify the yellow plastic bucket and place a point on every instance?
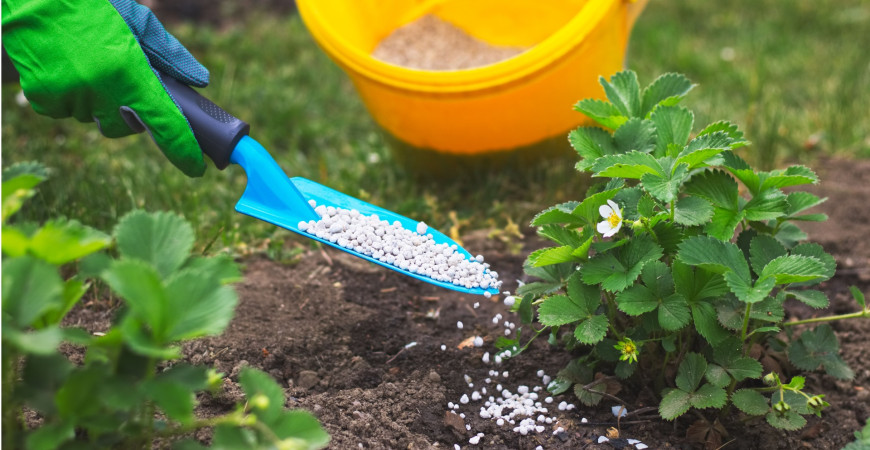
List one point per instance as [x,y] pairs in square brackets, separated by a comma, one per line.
[524,102]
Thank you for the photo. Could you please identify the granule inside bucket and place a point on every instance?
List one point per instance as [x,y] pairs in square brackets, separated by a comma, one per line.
[430,43]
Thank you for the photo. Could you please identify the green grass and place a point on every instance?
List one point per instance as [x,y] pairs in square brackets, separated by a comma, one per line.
[800,75]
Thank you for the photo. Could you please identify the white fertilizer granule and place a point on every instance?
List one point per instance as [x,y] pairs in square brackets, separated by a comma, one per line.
[392,244]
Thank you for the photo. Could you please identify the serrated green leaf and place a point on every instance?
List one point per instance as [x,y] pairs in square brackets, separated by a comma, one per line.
[15,191]
[750,401]
[723,223]
[37,342]
[815,250]
[561,310]
[589,398]
[255,382]
[691,372]
[697,284]
[766,205]
[561,235]
[728,128]
[618,268]
[582,251]
[691,211]
[591,330]
[201,305]
[627,199]
[859,297]
[791,176]
[559,385]
[741,170]
[801,201]
[762,250]
[713,255]
[302,426]
[161,239]
[591,143]
[657,277]
[623,91]
[674,312]
[812,298]
[790,235]
[709,396]
[665,188]
[716,186]
[30,288]
[636,300]
[552,255]
[625,369]
[740,367]
[789,420]
[589,297]
[717,376]
[602,112]
[673,127]
[667,90]
[50,436]
[561,213]
[794,269]
[704,317]
[61,241]
[646,206]
[174,399]
[675,403]
[702,148]
[227,437]
[139,284]
[588,208]
[768,310]
[221,268]
[747,291]
[819,347]
[635,135]
[627,165]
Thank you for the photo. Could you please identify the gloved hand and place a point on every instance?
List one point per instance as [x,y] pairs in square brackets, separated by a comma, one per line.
[95,60]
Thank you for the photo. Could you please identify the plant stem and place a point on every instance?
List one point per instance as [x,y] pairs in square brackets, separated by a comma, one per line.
[746,321]
[854,315]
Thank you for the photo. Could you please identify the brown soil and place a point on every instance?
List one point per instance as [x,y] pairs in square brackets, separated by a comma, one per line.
[430,43]
[335,331]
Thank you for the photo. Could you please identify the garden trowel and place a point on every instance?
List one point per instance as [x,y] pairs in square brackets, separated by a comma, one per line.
[270,195]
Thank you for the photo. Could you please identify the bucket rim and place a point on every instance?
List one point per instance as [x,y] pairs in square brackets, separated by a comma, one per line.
[505,72]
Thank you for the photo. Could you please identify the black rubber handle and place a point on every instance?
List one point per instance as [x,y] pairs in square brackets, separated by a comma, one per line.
[216,130]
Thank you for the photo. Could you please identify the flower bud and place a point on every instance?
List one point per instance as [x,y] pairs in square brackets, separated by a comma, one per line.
[259,401]
[781,407]
[770,379]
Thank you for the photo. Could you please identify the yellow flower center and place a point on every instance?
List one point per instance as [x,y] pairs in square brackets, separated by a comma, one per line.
[614,220]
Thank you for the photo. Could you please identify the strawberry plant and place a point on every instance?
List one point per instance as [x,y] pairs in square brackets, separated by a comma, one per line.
[679,262]
[128,392]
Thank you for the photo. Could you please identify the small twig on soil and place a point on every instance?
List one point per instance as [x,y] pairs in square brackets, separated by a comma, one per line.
[389,289]
[626,422]
[640,411]
[412,344]
[430,299]
[326,256]
[588,388]
[725,444]
[304,302]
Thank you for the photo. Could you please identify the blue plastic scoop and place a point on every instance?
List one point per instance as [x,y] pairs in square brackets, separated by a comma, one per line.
[270,195]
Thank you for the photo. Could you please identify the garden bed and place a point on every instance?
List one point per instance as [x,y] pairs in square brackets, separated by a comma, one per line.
[361,347]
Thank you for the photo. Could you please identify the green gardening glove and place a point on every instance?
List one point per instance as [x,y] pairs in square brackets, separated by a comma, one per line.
[95,60]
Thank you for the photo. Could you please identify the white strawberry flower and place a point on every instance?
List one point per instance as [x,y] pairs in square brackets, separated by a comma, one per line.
[612,219]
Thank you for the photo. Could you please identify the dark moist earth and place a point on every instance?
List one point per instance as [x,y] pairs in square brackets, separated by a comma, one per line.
[360,346]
